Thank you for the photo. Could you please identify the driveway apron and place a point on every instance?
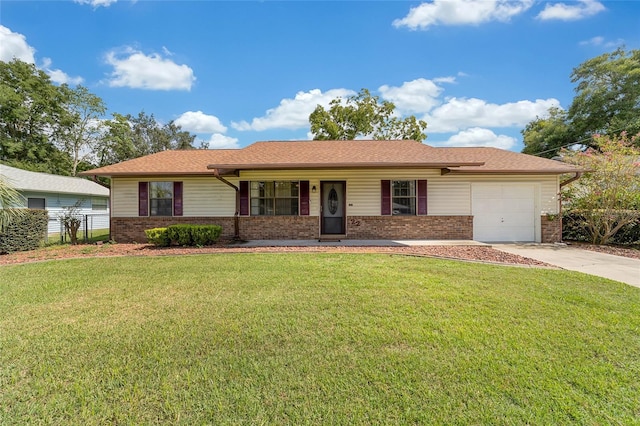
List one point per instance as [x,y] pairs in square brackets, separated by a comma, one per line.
[616,268]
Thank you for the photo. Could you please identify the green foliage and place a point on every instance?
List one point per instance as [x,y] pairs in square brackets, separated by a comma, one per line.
[575,228]
[180,234]
[363,115]
[184,235]
[32,109]
[158,237]
[546,136]
[607,196]
[607,102]
[204,235]
[79,134]
[129,137]
[9,198]
[608,94]
[24,232]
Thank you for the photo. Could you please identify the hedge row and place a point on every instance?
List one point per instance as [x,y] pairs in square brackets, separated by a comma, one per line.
[184,235]
[26,232]
[573,229]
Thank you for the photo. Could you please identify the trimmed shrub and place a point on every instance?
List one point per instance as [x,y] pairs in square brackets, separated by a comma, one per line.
[158,237]
[184,235]
[204,235]
[26,232]
[180,234]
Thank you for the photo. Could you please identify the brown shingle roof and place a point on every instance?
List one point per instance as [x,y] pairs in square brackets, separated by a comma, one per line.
[501,161]
[332,154]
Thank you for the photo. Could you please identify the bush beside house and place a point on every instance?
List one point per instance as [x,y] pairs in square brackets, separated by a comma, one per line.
[184,235]
[25,232]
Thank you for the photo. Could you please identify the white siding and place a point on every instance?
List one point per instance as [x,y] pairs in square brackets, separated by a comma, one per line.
[447,197]
[448,194]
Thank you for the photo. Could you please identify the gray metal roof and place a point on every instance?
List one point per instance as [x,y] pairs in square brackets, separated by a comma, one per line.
[24,180]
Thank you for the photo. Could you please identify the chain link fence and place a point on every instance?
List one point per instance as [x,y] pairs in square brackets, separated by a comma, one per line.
[92,226]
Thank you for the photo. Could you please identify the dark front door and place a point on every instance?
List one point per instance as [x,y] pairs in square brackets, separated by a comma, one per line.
[332,208]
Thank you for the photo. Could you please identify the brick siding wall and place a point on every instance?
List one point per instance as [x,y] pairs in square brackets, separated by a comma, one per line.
[551,229]
[410,227]
[279,227]
[131,229]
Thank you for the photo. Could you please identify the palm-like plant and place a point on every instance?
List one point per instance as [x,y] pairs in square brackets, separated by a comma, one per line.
[10,198]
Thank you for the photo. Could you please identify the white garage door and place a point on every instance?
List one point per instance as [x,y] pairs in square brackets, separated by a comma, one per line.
[503,212]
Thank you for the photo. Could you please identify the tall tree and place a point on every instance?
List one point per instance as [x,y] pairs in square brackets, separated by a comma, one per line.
[79,134]
[546,136]
[608,94]
[363,115]
[31,110]
[128,137]
[607,102]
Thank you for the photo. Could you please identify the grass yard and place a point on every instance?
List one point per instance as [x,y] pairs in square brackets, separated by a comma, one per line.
[314,339]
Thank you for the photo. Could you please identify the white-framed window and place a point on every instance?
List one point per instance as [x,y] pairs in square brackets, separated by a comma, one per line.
[161,198]
[275,198]
[403,197]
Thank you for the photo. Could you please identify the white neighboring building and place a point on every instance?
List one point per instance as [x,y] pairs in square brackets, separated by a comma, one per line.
[54,193]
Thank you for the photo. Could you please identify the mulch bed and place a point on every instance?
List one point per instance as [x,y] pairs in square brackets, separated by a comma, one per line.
[468,253]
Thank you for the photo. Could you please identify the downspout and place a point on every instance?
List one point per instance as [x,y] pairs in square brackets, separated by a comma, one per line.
[563,184]
[236,216]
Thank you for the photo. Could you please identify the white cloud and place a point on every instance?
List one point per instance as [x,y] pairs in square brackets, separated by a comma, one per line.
[96,3]
[292,113]
[219,141]
[477,136]
[199,122]
[59,76]
[462,113]
[416,96]
[571,12]
[134,69]
[461,12]
[14,46]
[600,41]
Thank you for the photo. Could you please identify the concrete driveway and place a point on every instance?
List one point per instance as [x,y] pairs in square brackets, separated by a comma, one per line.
[603,265]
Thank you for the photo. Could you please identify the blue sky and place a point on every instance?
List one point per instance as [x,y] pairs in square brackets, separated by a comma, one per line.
[238,72]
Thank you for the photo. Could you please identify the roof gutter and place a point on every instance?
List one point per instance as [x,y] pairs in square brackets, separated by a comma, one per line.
[236,216]
[572,179]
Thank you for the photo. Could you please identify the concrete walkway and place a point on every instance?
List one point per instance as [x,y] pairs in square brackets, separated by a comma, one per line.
[604,265]
[359,243]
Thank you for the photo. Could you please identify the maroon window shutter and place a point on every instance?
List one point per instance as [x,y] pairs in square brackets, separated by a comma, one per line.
[244,198]
[177,198]
[143,198]
[385,199]
[304,198]
[422,197]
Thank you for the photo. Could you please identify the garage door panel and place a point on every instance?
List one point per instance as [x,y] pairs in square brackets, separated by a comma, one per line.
[503,212]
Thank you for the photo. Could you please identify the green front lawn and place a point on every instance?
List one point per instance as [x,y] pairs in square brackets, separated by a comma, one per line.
[314,339]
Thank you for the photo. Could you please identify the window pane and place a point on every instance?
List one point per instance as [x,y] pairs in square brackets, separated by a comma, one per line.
[404,206]
[161,190]
[286,189]
[404,188]
[36,203]
[98,204]
[286,206]
[161,207]
[262,206]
